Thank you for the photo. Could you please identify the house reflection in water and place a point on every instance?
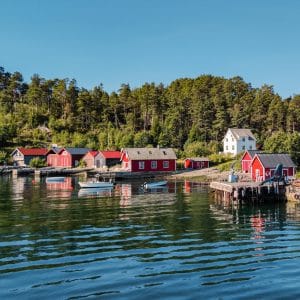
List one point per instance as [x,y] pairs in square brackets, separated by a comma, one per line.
[137,196]
[60,189]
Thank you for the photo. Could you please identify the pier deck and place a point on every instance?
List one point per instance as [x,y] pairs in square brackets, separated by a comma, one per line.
[245,191]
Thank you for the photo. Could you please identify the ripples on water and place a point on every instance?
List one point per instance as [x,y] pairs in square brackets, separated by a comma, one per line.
[174,243]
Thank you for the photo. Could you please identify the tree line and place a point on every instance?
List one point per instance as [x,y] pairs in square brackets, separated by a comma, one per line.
[190,114]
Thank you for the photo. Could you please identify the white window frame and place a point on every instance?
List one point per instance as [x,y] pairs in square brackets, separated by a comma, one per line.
[166,164]
[141,165]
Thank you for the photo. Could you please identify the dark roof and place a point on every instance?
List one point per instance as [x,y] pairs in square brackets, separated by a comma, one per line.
[253,152]
[56,149]
[149,153]
[272,160]
[198,158]
[76,151]
[241,132]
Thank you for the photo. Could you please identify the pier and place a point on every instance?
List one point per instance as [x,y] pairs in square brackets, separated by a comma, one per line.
[236,192]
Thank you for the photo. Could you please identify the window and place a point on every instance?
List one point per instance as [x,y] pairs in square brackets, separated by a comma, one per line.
[141,165]
[250,148]
[226,139]
[153,164]
[226,147]
[233,139]
[243,147]
[164,152]
[243,139]
[165,164]
[232,147]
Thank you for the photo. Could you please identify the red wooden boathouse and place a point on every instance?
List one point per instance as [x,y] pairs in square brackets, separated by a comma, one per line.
[66,157]
[263,166]
[196,163]
[148,159]
[247,159]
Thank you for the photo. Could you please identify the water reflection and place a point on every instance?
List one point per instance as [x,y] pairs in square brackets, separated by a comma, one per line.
[95,192]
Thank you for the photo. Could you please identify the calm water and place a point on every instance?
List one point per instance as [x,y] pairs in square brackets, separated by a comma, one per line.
[174,243]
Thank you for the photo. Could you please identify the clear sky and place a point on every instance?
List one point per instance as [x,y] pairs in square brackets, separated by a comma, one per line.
[137,41]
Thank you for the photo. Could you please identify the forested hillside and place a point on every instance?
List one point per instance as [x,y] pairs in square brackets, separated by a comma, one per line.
[190,115]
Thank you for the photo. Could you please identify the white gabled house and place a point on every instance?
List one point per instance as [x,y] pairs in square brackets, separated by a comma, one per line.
[238,140]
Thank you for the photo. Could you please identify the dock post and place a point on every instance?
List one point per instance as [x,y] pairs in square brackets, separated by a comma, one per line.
[15,173]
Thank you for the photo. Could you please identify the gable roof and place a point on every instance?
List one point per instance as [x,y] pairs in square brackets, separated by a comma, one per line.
[32,151]
[251,153]
[241,132]
[111,154]
[149,153]
[198,158]
[75,151]
[272,160]
[94,153]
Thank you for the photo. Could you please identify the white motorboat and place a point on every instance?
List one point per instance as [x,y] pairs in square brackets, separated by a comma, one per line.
[96,184]
[55,179]
[157,184]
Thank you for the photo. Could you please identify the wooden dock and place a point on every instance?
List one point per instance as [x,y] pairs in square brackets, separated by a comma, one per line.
[246,191]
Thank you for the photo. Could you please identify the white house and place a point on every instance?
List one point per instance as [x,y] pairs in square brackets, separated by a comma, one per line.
[237,140]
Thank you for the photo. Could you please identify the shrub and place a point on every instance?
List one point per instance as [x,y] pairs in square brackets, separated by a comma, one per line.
[37,162]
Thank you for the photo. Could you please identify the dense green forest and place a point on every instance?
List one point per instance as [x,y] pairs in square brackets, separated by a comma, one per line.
[190,115]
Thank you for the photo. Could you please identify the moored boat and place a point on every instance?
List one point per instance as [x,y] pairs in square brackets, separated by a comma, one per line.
[96,184]
[55,179]
[157,184]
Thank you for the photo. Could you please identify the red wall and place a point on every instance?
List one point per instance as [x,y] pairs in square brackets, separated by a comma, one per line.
[256,165]
[246,161]
[135,165]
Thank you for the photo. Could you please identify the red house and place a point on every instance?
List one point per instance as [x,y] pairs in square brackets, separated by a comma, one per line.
[247,159]
[90,158]
[66,157]
[148,159]
[100,159]
[196,163]
[263,166]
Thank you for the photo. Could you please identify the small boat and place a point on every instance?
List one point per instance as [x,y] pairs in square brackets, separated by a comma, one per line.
[96,184]
[55,179]
[95,192]
[157,184]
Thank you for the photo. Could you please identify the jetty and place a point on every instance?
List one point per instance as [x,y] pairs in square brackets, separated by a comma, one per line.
[237,192]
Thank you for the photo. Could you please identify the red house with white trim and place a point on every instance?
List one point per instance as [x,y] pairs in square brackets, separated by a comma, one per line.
[148,159]
[196,163]
[66,157]
[247,159]
[263,166]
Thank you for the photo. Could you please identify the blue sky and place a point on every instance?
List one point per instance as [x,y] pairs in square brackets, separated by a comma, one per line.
[137,41]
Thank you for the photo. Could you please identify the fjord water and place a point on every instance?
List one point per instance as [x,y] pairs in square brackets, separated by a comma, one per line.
[171,243]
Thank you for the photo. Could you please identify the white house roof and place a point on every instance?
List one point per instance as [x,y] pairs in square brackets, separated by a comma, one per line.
[149,153]
[241,132]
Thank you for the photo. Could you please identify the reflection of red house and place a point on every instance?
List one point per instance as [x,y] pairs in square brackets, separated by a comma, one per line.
[148,159]
[247,159]
[196,163]
[66,157]
[263,166]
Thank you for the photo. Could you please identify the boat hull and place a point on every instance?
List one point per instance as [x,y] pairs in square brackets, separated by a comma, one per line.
[55,179]
[154,185]
[96,184]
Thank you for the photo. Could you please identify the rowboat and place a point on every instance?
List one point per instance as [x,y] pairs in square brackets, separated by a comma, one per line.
[85,192]
[55,179]
[157,184]
[96,184]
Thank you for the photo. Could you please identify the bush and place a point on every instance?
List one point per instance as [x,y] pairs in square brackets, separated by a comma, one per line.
[3,158]
[37,162]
